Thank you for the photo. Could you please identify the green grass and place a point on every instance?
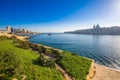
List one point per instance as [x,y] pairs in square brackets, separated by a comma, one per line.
[76,66]
[28,57]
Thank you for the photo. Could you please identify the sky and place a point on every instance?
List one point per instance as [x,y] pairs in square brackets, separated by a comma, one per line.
[59,15]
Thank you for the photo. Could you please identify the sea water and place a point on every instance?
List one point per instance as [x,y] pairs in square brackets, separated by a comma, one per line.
[104,49]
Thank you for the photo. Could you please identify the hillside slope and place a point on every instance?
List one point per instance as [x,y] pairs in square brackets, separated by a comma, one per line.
[32,71]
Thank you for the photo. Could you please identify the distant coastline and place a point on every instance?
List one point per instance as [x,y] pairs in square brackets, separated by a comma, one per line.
[97,30]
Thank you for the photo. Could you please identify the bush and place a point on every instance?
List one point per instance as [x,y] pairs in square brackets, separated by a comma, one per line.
[40,49]
[56,52]
[23,45]
[48,51]
[33,46]
[47,62]
[10,66]
[43,49]
[3,38]
[13,37]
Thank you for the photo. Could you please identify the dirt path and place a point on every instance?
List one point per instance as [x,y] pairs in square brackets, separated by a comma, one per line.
[63,72]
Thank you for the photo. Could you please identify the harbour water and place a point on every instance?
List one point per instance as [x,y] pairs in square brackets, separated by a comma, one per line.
[104,49]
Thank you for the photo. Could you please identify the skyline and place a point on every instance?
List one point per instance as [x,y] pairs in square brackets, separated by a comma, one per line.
[59,16]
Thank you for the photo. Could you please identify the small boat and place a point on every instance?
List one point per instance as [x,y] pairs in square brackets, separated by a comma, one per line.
[49,34]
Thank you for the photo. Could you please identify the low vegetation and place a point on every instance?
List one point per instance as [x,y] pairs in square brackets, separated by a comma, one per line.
[10,65]
[28,64]
[23,45]
[3,38]
[20,59]
[40,49]
[46,62]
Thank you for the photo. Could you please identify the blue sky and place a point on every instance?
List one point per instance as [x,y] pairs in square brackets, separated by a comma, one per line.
[59,15]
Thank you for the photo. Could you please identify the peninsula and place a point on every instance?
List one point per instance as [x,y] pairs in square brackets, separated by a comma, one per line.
[97,30]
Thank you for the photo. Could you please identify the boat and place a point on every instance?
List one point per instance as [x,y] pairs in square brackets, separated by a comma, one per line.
[49,34]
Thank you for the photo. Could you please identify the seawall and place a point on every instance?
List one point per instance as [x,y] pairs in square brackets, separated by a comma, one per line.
[91,71]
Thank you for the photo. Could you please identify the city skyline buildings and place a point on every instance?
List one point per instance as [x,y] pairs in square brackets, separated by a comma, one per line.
[9,29]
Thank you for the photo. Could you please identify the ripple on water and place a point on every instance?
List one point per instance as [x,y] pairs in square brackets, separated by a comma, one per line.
[103,49]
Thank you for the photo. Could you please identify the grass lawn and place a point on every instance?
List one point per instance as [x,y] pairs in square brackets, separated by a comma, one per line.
[32,70]
[76,66]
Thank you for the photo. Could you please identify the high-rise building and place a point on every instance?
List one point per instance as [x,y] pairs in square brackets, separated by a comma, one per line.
[8,29]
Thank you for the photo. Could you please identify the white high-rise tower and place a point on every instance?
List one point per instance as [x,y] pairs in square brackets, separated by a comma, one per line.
[8,29]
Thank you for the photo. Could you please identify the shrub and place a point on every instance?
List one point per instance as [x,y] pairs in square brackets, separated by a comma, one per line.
[33,46]
[47,62]
[48,51]
[56,52]
[23,45]
[10,66]
[43,49]
[13,37]
[3,38]
[40,49]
